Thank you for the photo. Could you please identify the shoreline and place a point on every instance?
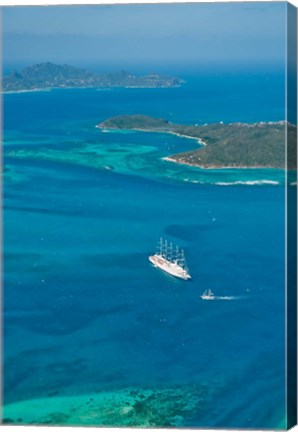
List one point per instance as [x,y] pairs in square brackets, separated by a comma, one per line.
[199,141]
[218,167]
[46,89]
[85,87]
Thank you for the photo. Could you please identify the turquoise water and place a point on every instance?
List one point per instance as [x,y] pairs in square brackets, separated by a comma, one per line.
[84,311]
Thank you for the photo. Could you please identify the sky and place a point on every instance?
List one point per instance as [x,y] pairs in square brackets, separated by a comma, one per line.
[199,35]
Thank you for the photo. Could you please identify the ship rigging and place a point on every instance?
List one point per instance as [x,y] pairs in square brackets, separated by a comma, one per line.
[171,260]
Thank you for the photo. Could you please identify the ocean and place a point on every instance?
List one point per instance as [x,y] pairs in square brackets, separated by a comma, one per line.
[86,317]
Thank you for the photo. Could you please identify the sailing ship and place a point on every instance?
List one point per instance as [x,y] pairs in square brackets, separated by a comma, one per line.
[208,295]
[171,260]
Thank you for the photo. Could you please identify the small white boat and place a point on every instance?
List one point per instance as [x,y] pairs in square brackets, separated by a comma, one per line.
[208,295]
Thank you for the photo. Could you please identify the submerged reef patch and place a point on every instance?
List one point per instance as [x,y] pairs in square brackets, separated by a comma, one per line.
[165,407]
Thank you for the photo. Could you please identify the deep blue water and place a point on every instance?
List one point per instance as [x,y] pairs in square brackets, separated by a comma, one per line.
[244,97]
[85,311]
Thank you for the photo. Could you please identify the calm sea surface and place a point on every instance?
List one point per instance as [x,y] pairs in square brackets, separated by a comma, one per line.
[84,310]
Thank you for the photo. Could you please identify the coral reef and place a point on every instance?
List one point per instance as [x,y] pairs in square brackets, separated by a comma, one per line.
[165,407]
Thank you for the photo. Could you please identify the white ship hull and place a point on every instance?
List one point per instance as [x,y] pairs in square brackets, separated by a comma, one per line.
[207,297]
[169,267]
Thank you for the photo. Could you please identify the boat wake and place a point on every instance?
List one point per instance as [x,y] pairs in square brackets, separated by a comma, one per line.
[227,298]
[209,295]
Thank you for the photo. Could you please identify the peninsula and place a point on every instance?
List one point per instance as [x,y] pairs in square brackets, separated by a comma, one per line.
[49,76]
[234,145]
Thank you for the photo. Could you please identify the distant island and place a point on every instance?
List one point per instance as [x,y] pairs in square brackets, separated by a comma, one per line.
[234,145]
[51,76]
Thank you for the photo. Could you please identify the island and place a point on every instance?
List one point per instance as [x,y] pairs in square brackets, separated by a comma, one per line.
[51,76]
[219,145]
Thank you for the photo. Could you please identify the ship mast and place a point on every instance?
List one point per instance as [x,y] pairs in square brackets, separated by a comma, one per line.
[177,254]
[166,250]
[184,263]
[159,247]
[182,258]
[171,252]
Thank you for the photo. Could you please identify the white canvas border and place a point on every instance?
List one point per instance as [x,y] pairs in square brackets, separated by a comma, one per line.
[9,3]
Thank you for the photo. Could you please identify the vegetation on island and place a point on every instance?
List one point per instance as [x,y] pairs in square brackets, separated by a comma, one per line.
[235,145]
[49,75]
[137,122]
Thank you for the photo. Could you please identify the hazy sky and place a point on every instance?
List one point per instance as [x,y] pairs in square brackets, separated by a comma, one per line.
[159,34]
